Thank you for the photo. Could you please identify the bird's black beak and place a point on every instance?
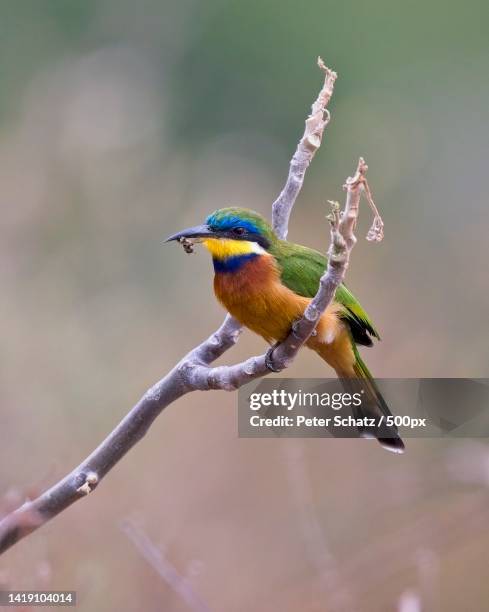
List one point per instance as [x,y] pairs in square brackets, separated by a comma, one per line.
[199,231]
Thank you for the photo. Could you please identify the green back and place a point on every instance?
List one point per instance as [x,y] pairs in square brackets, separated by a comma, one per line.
[302,268]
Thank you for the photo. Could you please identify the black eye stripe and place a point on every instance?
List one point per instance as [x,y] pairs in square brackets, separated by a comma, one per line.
[245,235]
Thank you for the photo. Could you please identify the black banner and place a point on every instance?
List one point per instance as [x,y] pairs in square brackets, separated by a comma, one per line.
[320,408]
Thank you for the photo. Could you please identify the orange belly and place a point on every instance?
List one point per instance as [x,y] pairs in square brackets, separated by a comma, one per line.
[255,296]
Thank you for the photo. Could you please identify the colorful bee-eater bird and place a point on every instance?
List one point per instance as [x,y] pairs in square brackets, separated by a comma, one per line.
[266,284]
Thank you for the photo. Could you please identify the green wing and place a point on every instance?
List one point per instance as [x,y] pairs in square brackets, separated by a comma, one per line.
[301,269]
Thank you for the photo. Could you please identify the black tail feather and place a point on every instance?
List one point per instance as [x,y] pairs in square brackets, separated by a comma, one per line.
[373,407]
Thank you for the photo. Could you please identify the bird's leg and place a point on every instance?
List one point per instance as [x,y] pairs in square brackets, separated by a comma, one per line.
[269,358]
[269,354]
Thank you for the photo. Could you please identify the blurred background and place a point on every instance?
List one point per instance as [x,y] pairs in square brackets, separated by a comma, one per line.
[121,122]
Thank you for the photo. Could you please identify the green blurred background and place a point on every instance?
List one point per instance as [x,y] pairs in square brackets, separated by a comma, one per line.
[121,122]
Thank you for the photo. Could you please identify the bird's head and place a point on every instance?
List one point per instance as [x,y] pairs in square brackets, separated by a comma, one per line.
[230,232]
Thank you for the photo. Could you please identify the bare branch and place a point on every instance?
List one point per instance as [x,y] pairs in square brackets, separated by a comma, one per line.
[194,371]
[307,147]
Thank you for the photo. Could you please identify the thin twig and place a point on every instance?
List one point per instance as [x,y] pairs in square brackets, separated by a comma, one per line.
[153,555]
[307,147]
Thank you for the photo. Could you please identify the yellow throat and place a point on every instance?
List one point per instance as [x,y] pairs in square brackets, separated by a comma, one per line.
[224,248]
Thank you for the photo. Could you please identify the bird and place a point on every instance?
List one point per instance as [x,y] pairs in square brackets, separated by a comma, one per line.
[266,283]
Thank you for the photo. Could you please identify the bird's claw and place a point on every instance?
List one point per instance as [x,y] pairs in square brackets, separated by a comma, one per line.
[295,328]
[269,359]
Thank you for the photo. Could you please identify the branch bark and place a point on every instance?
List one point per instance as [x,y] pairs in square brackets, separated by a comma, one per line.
[306,149]
[194,372]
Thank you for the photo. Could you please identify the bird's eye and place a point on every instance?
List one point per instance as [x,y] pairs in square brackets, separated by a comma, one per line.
[238,231]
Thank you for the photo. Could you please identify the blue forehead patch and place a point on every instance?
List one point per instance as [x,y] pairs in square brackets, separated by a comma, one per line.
[229,222]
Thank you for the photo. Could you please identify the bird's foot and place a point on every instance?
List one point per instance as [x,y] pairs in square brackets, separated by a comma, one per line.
[269,358]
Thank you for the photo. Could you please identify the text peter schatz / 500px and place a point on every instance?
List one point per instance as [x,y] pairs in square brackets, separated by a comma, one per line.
[299,420]
[335,401]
